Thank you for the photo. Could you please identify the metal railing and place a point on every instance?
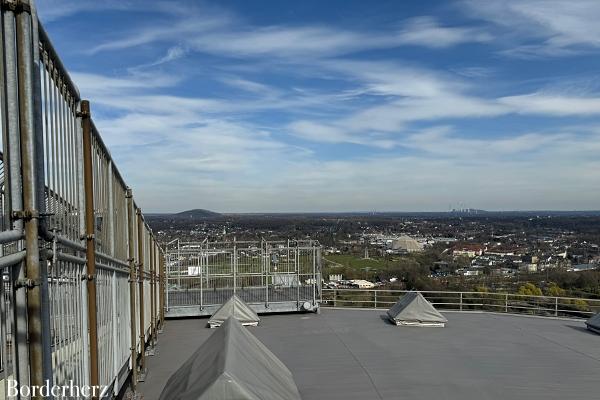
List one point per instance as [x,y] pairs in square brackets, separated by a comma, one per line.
[549,306]
[82,274]
[271,276]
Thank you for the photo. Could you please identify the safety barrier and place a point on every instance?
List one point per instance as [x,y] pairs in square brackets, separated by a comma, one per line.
[549,306]
[82,273]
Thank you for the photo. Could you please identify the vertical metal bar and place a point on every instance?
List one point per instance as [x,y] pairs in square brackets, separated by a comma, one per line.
[234,264]
[12,153]
[141,277]
[90,230]
[41,195]
[200,267]
[115,331]
[506,302]
[30,199]
[132,281]
[461,301]
[111,210]
[375,299]
[314,276]
[556,306]
[162,289]
[152,294]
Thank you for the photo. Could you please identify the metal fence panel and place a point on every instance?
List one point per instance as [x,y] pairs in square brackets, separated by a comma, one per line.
[45,121]
[270,276]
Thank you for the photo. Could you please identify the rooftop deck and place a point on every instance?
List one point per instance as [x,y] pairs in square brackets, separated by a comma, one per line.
[355,354]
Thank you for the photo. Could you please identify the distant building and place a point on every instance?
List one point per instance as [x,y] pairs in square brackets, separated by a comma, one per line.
[468,249]
[406,243]
[362,284]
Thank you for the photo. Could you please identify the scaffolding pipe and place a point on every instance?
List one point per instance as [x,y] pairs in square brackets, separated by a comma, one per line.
[30,212]
[12,154]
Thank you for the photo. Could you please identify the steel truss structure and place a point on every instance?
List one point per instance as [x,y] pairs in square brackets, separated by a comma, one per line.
[270,276]
[82,272]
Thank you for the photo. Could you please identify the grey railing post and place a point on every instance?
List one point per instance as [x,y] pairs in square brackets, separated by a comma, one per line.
[12,165]
[335,297]
[375,299]
[556,306]
[461,301]
[506,302]
[34,272]
[141,305]
[132,281]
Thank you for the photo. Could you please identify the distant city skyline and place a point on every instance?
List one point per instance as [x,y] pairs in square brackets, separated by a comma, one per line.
[273,106]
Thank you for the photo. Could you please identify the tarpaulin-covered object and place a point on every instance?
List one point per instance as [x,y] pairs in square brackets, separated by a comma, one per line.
[593,323]
[414,310]
[236,308]
[231,365]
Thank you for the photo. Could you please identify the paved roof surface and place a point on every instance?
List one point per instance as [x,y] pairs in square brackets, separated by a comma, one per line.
[355,354]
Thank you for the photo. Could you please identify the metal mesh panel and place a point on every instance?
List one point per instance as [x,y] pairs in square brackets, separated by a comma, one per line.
[202,276]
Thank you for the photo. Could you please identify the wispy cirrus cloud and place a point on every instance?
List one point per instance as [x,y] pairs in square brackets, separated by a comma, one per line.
[544,27]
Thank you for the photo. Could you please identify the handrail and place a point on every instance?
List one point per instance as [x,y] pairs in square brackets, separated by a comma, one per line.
[509,303]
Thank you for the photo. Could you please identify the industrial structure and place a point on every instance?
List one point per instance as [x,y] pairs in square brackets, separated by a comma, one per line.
[269,276]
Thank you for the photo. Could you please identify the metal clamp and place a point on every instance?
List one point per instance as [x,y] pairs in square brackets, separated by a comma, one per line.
[27,283]
[26,214]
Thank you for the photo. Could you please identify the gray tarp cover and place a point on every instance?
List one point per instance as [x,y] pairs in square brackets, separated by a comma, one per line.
[231,364]
[414,307]
[234,307]
[594,323]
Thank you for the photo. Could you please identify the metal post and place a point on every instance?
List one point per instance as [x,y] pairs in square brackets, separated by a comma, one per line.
[506,302]
[140,240]
[461,301]
[12,154]
[234,264]
[163,287]
[152,292]
[41,193]
[375,299]
[200,270]
[90,232]
[132,281]
[314,274]
[556,306]
[30,213]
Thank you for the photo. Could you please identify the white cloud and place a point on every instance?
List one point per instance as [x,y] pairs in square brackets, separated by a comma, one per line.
[550,104]
[426,31]
[558,27]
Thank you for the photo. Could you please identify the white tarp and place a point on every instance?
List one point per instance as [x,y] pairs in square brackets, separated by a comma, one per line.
[236,308]
[231,365]
[413,309]
[593,323]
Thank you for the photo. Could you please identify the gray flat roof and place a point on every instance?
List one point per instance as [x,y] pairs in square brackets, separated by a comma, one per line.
[355,354]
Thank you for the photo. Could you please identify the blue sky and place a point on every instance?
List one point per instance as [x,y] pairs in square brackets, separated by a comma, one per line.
[239,106]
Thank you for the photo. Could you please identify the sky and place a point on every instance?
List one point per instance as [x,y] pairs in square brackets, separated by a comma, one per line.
[304,106]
